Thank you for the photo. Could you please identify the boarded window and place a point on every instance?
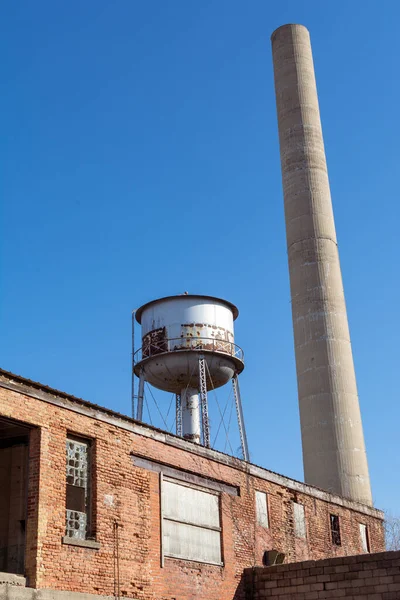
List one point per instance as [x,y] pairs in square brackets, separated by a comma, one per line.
[191,522]
[364,537]
[262,509]
[299,520]
[77,492]
[335,530]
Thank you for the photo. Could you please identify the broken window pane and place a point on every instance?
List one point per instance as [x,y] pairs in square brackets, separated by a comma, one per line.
[335,530]
[76,524]
[77,492]
[77,463]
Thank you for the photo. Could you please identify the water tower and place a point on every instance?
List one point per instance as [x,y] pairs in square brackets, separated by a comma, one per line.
[188,347]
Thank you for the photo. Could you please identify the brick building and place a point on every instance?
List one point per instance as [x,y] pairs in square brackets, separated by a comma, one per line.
[95,502]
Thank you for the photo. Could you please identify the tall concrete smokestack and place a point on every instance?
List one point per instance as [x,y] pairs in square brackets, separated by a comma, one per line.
[333,443]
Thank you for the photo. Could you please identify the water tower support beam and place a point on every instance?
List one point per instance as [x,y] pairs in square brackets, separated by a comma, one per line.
[178,415]
[133,364]
[239,411]
[204,401]
[140,396]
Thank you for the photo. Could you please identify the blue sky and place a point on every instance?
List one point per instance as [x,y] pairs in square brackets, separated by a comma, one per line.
[140,158]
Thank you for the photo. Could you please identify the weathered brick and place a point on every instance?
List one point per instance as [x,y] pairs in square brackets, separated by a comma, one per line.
[134,501]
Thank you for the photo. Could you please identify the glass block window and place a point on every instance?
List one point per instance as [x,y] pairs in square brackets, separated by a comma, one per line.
[77,492]
[76,524]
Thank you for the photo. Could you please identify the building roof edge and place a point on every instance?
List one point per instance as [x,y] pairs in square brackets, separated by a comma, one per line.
[48,394]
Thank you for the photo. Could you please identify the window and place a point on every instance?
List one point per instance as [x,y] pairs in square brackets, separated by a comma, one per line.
[262,509]
[190,522]
[364,537]
[78,489]
[335,530]
[299,520]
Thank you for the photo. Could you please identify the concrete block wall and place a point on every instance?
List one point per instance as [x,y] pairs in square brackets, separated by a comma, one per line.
[129,494]
[363,577]
[14,591]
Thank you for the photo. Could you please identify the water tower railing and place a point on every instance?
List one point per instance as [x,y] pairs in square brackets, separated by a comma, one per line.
[183,344]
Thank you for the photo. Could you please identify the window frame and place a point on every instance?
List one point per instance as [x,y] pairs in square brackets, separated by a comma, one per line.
[264,495]
[367,548]
[88,490]
[168,479]
[303,521]
[336,536]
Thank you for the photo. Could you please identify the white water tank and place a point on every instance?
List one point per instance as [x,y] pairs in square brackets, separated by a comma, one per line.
[175,330]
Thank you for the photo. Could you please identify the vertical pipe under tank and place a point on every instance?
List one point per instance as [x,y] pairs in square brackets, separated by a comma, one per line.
[191,414]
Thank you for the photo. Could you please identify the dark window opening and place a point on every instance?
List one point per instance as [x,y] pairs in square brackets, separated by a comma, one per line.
[14,454]
[335,530]
[78,505]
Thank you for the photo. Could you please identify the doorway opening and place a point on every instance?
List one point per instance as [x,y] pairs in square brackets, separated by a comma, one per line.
[14,451]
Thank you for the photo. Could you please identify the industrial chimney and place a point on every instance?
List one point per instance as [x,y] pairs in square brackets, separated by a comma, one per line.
[333,443]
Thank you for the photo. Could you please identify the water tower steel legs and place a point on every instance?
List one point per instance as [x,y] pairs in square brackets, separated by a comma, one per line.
[178,414]
[333,443]
[133,397]
[192,421]
[239,411]
[204,401]
[139,415]
[188,412]
[191,414]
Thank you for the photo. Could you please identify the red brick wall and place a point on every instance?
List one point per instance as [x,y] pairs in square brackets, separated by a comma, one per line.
[130,495]
[363,577]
